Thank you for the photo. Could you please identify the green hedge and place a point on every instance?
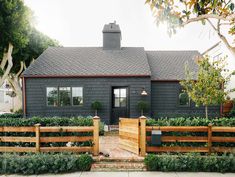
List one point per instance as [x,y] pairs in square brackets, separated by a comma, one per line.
[190,162]
[47,121]
[53,121]
[196,121]
[11,115]
[44,163]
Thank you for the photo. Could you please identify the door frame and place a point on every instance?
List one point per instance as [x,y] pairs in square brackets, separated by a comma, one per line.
[111,99]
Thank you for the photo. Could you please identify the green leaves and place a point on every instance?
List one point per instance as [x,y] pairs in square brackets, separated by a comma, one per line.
[207,89]
[190,162]
[44,163]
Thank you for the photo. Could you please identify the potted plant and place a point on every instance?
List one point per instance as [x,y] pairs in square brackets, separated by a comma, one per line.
[228,105]
[142,106]
[96,105]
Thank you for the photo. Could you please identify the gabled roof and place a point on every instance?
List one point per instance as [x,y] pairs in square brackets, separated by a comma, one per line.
[90,61]
[170,65]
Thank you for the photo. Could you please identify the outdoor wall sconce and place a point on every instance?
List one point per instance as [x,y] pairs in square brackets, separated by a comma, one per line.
[144,93]
[156,137]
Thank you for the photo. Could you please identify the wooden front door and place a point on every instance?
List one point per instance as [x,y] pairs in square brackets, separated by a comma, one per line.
[129,134]
[120,104]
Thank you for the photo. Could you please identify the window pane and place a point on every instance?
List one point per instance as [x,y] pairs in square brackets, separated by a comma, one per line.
[116,92]
[52,96]
[65,96]
[183,99]
[123,92]
[77,95]
[122,102]
[116,102]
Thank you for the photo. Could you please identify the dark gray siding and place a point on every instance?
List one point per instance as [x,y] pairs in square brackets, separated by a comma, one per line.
[165,102]
[93,89]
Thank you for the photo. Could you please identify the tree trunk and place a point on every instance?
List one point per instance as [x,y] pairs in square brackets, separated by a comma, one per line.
[206,110]
[16,87]
[7,56]
[96,112]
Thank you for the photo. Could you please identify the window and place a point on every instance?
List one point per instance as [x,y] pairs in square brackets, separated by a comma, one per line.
[184,99]
[119,97]
[52,96]
[77,96]
[65,96]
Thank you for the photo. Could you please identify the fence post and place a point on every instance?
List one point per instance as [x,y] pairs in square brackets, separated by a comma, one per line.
[37,136]
[96,123]
[209,138]
[142,136]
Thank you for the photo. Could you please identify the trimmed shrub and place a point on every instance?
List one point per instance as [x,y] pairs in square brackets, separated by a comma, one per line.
[11,115]
[47,121]
[195,121]
[190,162]
[44,163]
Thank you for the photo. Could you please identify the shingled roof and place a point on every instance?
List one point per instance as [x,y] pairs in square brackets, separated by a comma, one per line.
[90,61]
[170,65]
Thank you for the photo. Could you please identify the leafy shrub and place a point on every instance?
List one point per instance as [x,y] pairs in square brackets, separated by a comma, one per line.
[190,162]
[11,115]
[47,121]
[44,163]
[53,121]
[195,121]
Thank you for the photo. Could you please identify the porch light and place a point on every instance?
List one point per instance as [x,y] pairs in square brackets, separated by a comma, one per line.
[144,93]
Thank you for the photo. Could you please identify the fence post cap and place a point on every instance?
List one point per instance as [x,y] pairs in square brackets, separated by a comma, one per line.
[37,125]
[210,124]
[96,117]
[143,117]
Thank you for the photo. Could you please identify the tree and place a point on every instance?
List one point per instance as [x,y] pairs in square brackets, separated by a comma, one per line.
[142,106]
[96,105]
[220,14]
[20,42]
[210,86]
[15,27]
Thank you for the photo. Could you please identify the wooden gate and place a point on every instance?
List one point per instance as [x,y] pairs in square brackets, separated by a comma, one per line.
[129,134]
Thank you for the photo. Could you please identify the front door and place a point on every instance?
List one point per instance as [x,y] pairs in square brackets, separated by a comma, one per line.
[119,104]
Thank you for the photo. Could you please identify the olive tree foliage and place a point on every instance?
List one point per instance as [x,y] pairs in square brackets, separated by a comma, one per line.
[210,86]
[20,42]
[220,14]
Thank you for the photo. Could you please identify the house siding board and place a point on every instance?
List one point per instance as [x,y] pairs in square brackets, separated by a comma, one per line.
[165,102]
[93,89]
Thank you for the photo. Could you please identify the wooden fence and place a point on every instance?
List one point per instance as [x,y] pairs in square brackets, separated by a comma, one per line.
[209,138]
[204,137]
[39,140]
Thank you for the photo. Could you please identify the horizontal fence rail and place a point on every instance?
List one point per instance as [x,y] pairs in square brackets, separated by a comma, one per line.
[209,138]
[40,138]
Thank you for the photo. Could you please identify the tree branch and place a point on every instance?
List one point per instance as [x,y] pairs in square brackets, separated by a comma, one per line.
[210,16]
[20,70]
[9,65]
[225,41]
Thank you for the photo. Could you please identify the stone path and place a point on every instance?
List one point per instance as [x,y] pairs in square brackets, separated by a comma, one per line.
[109,145]
[133,174]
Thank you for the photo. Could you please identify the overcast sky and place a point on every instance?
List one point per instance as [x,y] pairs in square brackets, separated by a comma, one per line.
[80,23]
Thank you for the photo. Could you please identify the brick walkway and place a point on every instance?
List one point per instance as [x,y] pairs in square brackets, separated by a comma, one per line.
[109,145]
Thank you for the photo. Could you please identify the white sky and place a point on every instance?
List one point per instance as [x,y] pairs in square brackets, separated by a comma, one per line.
[80,23]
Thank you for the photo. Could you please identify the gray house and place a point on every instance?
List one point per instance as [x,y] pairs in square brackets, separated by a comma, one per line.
[64,81]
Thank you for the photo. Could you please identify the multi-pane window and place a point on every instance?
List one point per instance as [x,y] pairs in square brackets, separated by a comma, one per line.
[120,95]
[52,96]
[77,97]
[64,96]
[184,99]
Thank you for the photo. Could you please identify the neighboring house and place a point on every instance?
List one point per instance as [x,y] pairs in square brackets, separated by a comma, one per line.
[64,81]
[6,102]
